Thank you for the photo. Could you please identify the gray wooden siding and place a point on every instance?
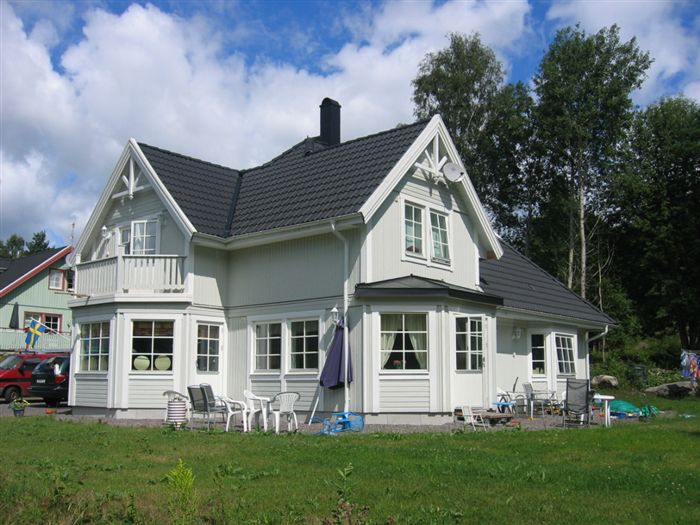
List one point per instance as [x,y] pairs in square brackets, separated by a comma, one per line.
[290,271]
[145,204]
[209,276]
[404,395]
[147,392]
[307,390]
[90,391]
[237,362]
[387,226]
[265,387]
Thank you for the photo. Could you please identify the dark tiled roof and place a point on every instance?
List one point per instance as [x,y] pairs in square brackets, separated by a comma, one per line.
[311,181]
[414,286]
[204,191]
[526,286]
[16,268]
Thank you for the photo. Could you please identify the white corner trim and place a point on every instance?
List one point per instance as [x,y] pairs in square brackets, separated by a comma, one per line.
[436,126]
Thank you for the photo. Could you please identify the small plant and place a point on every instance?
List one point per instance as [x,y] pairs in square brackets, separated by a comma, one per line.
[19,404]
[346,513]
[182,504]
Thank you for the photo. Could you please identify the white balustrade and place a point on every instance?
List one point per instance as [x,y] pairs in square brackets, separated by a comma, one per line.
[131,273]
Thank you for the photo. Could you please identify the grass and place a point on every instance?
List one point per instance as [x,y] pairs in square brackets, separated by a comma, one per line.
[71,472]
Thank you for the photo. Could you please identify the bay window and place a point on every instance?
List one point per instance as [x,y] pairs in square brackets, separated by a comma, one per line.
[94,347]
[152,346]
[404,342]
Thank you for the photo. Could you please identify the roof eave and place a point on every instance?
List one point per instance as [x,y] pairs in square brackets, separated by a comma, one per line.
[36,270]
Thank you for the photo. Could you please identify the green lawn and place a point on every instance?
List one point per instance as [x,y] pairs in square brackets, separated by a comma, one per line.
[72,472]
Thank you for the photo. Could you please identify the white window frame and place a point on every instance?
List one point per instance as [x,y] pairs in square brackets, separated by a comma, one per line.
[469,351]
[41,317]
[427,257]
[544,359]
[304,353]
[425,351]
[267,354]
[103,346]
[52,273]
[566,355]
[422,253]
[446,229]
[152,367]
[156,236]
[208,340]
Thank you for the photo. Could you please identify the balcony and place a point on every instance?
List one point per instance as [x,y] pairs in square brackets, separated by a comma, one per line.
[132,276]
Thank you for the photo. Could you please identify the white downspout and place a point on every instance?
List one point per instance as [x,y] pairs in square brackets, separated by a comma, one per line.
[588,351]
[346,277]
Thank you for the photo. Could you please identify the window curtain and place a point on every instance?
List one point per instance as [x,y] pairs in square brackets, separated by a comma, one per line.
[416,323]
[390,327]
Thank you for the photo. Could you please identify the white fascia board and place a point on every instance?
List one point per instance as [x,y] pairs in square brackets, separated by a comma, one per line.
[132,150]
[181,219]
[97,212]
[286,233]
[435,126]
[518,314]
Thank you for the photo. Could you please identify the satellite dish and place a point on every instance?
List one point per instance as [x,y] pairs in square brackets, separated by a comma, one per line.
[452,172]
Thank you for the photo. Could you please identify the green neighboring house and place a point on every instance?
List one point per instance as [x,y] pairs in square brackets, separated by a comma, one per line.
[36,286]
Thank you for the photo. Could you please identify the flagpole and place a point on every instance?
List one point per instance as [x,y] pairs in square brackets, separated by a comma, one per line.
[50,330]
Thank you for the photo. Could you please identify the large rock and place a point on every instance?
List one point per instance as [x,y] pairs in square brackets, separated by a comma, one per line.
[605,381]
[671,390]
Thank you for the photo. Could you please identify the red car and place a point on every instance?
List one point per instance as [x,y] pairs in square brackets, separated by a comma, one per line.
[16,372]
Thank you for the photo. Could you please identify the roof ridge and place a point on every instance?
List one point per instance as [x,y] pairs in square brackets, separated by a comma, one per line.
[188,157]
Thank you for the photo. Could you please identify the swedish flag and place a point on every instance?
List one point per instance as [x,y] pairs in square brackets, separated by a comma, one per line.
[34,331]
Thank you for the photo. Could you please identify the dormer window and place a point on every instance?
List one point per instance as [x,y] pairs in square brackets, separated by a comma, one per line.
[413,221]
[441,245]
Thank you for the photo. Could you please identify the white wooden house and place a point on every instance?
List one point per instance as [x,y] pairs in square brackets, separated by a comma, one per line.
[191,272]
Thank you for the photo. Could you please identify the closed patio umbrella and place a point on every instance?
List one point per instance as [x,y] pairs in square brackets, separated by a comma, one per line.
[14,317]
[333,373]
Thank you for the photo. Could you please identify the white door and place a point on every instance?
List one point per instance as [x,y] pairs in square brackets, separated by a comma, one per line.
[207,359]
[467,361]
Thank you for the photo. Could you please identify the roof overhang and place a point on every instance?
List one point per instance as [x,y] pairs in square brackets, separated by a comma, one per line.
[400,288]
[286,233]
[436,126]
[133,151]
[521,314]
[36,270]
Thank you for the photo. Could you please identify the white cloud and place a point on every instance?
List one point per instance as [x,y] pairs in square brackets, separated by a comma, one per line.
[659,29]
[179,84]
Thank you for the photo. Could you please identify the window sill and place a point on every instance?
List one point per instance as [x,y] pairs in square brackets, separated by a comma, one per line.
[305,372]
[473,371]
[93,373]
[148,373]
[264,373]
[396,373]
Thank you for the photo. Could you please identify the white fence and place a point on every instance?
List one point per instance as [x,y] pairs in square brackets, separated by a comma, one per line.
[126,273]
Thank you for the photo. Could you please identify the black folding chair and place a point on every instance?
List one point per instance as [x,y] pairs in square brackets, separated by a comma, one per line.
[577,405]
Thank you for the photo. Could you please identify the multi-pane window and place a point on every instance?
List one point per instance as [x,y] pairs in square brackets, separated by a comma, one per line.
[304,348]
[413,235]
[152,346]
[143,237]
[70,280]
[537,351]
[565,354]
[125,240]
[470,343]
[208,347]
[94,347]
[438,227]
[268,346]
[56,279]
[404,341]
[52,322]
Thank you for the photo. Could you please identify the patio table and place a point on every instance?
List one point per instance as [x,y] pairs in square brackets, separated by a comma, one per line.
[606,408]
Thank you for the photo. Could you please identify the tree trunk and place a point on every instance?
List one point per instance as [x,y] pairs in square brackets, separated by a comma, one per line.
[582,233]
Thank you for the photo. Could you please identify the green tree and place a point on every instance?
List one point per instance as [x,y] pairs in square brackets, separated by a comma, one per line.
[13,247]
[584,108]
[656,217]
[38,243]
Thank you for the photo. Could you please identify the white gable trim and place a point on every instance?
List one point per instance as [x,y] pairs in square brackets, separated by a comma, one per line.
[133,151]
[436,126]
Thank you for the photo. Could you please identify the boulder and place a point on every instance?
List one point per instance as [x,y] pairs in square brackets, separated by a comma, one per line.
[671,390]
[605,381]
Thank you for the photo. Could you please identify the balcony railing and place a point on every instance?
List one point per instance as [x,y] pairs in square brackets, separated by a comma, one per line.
[131,273]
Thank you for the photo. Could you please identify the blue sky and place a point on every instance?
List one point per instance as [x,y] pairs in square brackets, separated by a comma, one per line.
[237,82]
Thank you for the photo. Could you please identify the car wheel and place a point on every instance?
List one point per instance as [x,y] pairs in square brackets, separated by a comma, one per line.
[11,393]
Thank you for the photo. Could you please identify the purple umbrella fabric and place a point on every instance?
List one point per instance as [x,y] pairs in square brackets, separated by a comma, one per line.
[333,374]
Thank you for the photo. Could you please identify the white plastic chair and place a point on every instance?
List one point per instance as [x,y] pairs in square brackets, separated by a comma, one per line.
[286,402]
[256,405]
[224,406]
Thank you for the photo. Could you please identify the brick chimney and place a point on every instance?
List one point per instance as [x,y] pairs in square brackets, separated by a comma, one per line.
[330,121]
